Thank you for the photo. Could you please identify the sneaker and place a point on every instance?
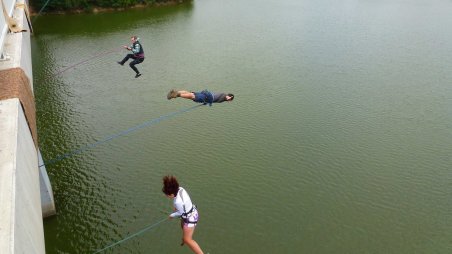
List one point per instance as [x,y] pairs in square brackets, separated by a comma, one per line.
[171,94]
[139,74]
[120,63]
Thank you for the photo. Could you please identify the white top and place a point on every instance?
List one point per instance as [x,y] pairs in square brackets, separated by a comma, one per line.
[179,201]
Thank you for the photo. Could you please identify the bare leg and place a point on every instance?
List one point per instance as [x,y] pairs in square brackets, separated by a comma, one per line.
[188,239]
[182,227]
[186,94]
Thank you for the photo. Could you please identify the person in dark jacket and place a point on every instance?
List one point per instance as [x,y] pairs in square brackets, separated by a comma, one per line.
[205,97]
[137,55]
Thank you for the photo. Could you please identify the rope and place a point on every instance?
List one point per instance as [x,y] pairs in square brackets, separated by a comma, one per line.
[12,23]
[42,8]
[122,133]
[131,236]
[86,60]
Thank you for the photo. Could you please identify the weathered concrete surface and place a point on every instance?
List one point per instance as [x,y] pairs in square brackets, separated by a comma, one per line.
[22,181]
[21,226]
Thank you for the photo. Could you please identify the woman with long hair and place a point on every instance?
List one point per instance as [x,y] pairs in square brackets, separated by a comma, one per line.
[184,209]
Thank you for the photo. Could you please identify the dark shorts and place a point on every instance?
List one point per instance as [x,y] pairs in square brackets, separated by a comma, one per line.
[199,97]
[205,97]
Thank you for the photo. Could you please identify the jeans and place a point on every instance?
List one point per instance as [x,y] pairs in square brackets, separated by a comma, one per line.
[135,61]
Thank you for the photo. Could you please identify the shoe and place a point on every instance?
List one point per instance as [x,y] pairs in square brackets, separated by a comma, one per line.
[120,63]
[171,94]
[139,74]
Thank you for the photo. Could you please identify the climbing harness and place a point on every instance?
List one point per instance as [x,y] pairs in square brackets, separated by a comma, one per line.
[185,214]
[208,99]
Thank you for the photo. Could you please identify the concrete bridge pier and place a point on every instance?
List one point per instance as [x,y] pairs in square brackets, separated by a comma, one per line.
[47,201]
[25,191]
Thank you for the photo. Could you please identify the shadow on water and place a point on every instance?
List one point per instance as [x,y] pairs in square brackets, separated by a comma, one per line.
[106,22]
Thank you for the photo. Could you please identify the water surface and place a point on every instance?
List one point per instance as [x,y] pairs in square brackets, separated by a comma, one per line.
[339,139]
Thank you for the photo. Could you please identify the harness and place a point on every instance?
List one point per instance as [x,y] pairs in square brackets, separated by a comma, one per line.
[185,214]
[208,99]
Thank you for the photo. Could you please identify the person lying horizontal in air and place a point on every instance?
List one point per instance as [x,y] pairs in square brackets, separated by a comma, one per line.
[205,96]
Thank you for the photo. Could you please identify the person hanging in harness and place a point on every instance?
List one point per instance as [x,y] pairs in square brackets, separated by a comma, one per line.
[137,55]
[184,209]
[205,96]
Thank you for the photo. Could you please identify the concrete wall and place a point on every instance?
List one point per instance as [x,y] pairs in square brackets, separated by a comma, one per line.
[21,226]
[17,46]
[47,202]
[23,184]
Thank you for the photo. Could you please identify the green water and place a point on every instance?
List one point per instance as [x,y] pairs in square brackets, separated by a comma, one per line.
[338,141]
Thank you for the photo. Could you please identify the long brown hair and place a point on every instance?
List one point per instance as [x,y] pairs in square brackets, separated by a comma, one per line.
[170,185]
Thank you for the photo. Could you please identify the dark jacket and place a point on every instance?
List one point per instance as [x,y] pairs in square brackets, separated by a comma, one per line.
[137,49]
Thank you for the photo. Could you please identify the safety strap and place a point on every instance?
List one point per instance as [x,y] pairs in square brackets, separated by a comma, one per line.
[183,204]
[208,97]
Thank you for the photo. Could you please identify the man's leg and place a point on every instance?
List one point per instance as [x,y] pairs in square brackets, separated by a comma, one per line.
[125,59]
[184,94]
[133,63]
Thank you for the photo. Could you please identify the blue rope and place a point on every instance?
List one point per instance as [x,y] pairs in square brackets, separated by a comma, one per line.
[122,133]
[131,236]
